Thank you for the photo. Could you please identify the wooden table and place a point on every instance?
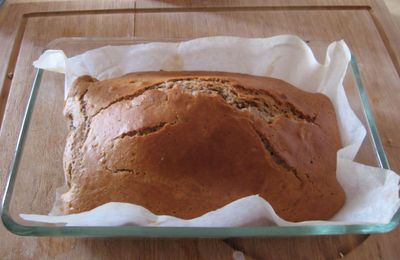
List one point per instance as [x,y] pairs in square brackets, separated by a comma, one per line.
[365,25]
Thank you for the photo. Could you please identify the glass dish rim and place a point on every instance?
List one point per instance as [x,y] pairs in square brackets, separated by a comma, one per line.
[139,231]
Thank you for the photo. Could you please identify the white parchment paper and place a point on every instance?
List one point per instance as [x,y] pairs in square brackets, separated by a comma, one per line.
[372,194]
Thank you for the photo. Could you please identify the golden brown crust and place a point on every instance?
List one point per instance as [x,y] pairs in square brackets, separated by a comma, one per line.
[185,143]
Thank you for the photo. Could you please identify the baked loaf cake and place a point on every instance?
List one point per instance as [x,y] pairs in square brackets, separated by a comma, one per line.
[186,143]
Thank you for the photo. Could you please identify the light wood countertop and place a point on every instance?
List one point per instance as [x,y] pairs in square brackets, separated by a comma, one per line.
[27,26]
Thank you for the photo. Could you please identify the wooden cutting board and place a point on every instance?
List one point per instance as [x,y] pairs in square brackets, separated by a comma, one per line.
[365,26]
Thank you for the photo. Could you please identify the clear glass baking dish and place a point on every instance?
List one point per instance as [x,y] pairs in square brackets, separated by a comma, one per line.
[36,171]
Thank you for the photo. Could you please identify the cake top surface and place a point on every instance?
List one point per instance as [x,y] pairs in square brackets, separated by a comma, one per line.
[186,143]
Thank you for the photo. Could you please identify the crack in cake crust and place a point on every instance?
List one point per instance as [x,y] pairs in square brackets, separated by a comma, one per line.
[142,131]
[276,157]
[267,104]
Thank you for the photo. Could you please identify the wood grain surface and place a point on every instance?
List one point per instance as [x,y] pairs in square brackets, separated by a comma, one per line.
[366,26]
